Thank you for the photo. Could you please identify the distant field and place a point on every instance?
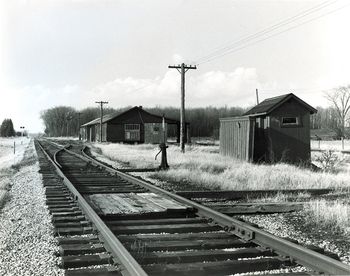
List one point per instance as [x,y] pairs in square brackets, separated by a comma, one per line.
[205,167]
[7,155]
[330,145]
[9,158]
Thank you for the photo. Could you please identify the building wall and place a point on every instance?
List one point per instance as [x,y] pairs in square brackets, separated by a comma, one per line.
[236,137]
[289,143]
[92,133]
[154,133]
[115,132]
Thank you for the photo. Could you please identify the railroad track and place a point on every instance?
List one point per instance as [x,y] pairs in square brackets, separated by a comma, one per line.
[174,236]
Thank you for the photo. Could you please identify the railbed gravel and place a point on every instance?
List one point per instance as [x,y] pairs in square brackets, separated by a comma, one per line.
[27,242]
[293,226]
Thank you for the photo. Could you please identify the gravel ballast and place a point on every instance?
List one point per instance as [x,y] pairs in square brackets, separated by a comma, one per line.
[27,243]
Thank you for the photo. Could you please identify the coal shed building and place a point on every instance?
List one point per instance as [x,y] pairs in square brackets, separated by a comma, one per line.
[277,129]
[132,126]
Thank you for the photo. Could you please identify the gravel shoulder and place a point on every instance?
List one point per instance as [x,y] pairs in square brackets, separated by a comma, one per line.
[294,226]
[27,243]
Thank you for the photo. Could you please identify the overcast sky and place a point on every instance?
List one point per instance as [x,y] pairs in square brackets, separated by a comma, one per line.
[76,52]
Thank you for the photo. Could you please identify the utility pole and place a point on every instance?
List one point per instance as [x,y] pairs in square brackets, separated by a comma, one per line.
[79,113]
[101,103]
[68,119]
[257,95]
[22,130]
[183,68]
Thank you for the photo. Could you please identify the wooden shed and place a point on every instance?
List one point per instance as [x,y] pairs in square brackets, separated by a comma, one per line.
[132,126]
[277,129]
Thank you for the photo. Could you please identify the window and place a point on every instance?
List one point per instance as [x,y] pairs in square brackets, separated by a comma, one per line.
[290,121]
[132,127]
[132,132]
[155,129]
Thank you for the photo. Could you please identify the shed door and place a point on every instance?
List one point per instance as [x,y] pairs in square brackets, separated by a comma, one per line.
[132,132]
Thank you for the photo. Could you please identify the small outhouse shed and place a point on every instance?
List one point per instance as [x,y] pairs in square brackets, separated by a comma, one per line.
[277,129]
[135,125]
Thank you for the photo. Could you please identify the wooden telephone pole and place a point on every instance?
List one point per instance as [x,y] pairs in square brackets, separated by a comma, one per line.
[101,103]
[183,68]
[79,113]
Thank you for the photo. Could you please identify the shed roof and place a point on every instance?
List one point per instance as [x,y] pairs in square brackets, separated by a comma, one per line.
[141,112]
[270,104]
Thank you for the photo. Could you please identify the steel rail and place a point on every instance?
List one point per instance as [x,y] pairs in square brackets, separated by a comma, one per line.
[297,253]
[132,267]
[55,158]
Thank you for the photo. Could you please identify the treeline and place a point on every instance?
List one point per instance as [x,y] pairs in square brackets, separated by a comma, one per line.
[63,121]
[328,118]
[204,121]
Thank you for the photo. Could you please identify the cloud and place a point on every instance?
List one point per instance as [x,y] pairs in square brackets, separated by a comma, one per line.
[177,59]
[213,88]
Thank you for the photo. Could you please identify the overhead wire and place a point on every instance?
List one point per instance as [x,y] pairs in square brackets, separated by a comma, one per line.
[270,28]
[251,40]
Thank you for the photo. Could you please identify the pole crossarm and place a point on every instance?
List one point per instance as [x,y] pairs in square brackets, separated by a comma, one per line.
[185,66]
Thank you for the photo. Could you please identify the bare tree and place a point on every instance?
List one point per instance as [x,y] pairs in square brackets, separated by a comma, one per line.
[340,99]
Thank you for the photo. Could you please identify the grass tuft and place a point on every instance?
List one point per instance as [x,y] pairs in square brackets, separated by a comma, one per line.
[333,215]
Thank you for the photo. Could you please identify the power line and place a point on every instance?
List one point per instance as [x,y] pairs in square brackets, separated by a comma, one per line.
[234,49]
[269,29]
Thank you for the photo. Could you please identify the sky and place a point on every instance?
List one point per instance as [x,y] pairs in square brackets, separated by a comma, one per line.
[76,52]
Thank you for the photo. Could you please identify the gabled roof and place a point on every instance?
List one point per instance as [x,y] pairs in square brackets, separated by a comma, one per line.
[105,118]
[141,112]
[270,104]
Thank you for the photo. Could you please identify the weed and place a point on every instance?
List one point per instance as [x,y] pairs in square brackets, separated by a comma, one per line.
[139,247]
[328,161]
[333,215]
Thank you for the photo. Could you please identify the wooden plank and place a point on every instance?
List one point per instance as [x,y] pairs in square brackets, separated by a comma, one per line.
[185,256]
[144,203]
[177,236]
[79,249]
[101,271]
[113,204]
[157,221]
[216,268]
[239,194]
[85,260]
[253,208]
[77,240]
[130,203]
[187,244]
[166,228]
[164,202]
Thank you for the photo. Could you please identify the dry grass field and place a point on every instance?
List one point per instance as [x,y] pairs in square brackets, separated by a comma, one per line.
[204,166]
